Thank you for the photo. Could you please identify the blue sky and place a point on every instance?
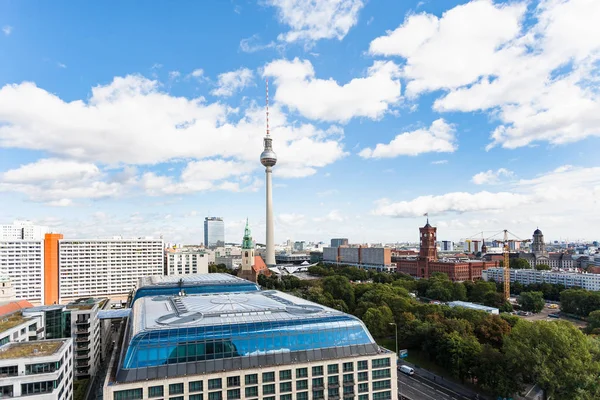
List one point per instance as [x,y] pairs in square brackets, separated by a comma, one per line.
[142,119]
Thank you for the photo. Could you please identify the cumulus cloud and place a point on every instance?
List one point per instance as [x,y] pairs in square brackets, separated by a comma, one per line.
[491,177]
[537,80]
[332,216]
[252,44]
[7,29]
[326,100]
[313,20]
[438,138]
[233,81]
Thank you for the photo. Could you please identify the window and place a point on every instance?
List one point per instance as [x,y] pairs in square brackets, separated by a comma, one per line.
[131,394]
[252,391]
[196,397]
[348,378]
[348,367]
[9,371]
[333,393]
[318,394]
[176,398]
[6,391]
[302,396]
[285,387]
[382,395]
[333,380]
[251,379]
[317,371]
[269,398]
[363,397]
[269,389]
[333,369]
[302,385]
[285,397]
[176,388]
[317,382]
[382,385]
[381,373]
[301,372]
[156,391]
[348,390]
[363,376]
[215,396]
[233,394]
[285,375]
[268,377]
[42,368]
[363,387]
[233,381]
[195,386]
[215,384]
[381,363]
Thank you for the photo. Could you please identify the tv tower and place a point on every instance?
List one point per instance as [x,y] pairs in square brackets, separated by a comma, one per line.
[268,158]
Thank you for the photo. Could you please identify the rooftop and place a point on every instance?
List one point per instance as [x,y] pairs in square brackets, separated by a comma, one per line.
[459,303]
[84,304]
[10,321]
[31,349]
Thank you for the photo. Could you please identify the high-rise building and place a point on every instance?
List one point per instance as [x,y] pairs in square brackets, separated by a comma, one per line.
[254,345]
[339,242]
[97,267]
[186,261]
[23,262]
[37,370]
[51,295]
[268,158]
[446,245]
[24,230]
[214,232]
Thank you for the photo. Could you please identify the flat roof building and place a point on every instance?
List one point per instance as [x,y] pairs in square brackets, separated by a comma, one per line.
[473,306]
[160,285]
[253,345]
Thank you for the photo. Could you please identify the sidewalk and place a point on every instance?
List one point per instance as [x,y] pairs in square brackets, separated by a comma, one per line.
[439,380]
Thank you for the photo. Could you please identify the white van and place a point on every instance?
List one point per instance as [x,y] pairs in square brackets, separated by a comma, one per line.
[407,370]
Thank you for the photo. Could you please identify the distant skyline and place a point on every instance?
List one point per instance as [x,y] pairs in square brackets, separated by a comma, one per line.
[142,120]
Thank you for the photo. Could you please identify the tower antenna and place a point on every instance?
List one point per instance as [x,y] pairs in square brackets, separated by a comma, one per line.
[267,106]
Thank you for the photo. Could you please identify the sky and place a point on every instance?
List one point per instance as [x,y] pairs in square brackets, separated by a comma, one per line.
[140,119]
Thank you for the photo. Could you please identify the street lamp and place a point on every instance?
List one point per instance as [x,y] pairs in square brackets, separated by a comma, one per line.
[396,326]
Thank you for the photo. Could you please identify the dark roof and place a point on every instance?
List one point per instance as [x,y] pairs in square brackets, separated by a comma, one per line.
[537,232]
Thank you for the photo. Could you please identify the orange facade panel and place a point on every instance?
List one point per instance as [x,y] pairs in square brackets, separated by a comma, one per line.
[51,267]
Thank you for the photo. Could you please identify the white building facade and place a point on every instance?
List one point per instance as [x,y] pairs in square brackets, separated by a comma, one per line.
[529,276]
[37,370]
[24,230]
[94,268]
[23,262]
[183,262]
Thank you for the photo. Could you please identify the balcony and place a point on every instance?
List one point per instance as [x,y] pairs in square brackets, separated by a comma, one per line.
[82,321]
[82,340]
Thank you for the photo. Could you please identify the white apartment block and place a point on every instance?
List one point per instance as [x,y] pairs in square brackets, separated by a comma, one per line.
[24,230]
[23,262]
[529,276]
[94,268]
[37,370]
[183,262]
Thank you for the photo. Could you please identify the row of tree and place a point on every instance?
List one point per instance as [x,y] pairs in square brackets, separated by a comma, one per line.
[499,353]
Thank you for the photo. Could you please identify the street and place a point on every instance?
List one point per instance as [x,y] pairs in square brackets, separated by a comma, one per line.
[418,388]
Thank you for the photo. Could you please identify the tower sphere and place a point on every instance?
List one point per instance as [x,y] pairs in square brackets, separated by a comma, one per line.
[268,158]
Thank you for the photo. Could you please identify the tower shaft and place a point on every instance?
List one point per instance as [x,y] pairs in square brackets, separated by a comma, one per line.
[270,259]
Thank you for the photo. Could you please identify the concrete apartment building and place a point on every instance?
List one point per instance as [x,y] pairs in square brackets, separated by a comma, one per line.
[37,370]
[379,258]
[22,230]
[22,260]
[186,261]
[96,268]
[263,345]
[529,276]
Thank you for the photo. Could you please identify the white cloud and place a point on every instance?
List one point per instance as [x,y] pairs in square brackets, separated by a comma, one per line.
[233,81]
[439,162]
[60,203]
[539,81]
[438,138]
[252,44]
[61,65]
[174,75]
[197,73]
[51,169]
[332,216]
[325,100]
[313,20]
[491,177]
[291,219]
[7,29]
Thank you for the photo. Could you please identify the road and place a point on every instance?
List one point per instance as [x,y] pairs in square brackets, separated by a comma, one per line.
[418,388]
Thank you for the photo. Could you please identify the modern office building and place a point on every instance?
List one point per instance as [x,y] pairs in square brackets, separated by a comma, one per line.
[446,245]
[17,327]
[37,370]
[214,232]
[77,320]
[23,262]
[339,242]
[529,276]
[160,285]
[23,230]
[186,261]
[96,268]
[263,345]
[379,258]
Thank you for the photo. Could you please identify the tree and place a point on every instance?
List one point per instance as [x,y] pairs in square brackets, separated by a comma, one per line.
[557,356]
[492,330]
[580,302]
[458,353]
[480,289]
[340,288]
[378,320]
[495,373]
[594,321]
[543,267]
[532,301]
[519,263]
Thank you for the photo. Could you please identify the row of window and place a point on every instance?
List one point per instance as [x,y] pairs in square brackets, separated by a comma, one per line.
[235,394]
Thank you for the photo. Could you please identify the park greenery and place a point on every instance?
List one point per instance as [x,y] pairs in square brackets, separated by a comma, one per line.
[500,354]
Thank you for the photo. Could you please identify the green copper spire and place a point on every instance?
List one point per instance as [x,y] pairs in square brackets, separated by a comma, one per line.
[247,242]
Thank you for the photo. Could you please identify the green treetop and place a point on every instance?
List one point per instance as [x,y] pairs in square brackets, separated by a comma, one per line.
[247,242]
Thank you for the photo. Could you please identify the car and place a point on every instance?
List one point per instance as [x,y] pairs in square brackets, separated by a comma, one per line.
[407,370]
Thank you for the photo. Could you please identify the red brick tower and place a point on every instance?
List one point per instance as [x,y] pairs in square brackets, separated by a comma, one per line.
[428,249]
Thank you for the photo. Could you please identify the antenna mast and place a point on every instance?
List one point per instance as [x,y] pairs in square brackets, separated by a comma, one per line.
[267,106]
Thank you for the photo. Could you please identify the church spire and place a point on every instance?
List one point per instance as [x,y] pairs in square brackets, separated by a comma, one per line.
[247,242]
